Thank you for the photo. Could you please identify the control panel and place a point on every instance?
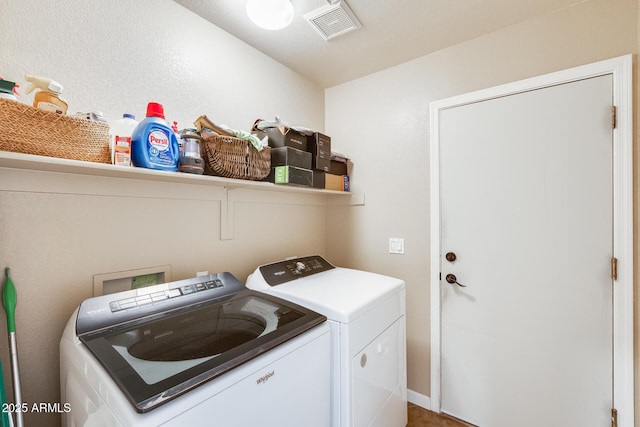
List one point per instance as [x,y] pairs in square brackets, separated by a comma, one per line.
[118,308]
[136,301]
[292,269]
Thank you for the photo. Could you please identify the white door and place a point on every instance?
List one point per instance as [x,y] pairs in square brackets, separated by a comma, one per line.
[526,207]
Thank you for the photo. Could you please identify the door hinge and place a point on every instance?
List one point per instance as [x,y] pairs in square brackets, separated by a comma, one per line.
[614,417]
[614,268]
[614,117]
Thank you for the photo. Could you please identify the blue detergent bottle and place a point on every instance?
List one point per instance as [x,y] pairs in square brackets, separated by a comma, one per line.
[153,144]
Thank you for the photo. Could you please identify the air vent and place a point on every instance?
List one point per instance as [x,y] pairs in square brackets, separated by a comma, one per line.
[333,20]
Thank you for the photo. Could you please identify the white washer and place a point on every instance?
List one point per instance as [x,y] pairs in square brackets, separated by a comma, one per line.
[366,312]
[198,352]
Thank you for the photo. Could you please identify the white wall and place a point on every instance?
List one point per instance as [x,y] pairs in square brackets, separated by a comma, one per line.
[116,56]
[57,230]
[382,122]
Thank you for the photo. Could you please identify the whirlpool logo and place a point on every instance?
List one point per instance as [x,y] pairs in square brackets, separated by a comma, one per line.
[263,379]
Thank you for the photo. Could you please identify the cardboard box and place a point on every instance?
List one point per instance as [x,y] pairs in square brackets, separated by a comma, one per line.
[290,138]
[335,182]
[318,179]
[338,168]
[319,145]
[291,175]
[321,141]
[320,163]
[289,156]
[328,181]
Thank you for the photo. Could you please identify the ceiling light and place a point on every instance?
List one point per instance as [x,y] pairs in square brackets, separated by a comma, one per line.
[270,14]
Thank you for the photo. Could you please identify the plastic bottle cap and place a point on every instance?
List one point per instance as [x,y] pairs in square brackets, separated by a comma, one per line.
[128,116]
[55,87]
[155,110]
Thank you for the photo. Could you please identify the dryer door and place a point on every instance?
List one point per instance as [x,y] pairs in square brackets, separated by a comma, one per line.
[379,382]
[157,358]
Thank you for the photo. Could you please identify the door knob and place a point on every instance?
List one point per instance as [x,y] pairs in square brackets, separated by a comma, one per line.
[450,256]
[451,278]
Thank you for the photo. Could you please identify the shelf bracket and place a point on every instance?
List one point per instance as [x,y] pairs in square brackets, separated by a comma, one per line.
[226,216]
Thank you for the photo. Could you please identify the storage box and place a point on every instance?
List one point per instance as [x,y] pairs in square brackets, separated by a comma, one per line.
[338,168]
[319,145]
[291,175]
[290,138]
[321,141]
[330,181]
[318,179]
[334,182]
[320,163]
[289,156]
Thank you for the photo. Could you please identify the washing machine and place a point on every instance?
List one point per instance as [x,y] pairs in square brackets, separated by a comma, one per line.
[366,314]
[204,351]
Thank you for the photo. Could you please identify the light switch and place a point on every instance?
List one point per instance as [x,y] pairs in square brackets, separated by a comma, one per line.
[396,245]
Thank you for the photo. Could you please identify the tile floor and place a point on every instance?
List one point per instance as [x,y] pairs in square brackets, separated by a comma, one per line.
[420,417]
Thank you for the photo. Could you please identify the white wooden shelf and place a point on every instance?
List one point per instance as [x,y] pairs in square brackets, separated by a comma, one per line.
[52,164]
[225,190]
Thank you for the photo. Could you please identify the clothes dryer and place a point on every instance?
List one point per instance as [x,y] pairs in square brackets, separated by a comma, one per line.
[366,312]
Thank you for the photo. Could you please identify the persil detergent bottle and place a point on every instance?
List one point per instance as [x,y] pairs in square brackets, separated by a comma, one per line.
[153,144]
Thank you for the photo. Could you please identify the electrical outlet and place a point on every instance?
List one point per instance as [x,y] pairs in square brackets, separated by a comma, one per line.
[396,245]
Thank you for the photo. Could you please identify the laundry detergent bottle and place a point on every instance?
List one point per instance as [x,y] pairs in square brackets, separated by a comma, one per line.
[154,145]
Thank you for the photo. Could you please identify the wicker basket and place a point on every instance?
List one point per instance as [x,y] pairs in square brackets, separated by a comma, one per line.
[24,129]
[235,158]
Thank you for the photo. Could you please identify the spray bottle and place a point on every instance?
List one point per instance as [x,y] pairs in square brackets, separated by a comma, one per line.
[8,89]
[48,97]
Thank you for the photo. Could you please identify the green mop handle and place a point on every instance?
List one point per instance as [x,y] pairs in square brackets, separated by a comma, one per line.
[4,415]
[9,300]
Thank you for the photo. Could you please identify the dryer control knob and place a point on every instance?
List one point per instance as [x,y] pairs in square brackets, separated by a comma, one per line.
[300,267]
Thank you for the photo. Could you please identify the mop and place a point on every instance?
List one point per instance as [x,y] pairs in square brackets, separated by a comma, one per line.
[4,415]
[9,300]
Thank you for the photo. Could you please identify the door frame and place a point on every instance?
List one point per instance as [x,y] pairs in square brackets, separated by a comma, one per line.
[621,70]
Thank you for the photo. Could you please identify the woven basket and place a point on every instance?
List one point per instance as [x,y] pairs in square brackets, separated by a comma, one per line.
[235,158]
[24,129]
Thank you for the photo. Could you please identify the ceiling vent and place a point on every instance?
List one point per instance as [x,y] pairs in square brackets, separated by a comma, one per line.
[333,20]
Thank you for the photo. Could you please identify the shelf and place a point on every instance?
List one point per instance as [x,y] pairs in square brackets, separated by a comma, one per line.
[222,189]
[52,164]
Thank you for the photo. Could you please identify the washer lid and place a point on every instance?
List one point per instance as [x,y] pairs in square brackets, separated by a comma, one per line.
[156,357]
[341,294]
